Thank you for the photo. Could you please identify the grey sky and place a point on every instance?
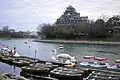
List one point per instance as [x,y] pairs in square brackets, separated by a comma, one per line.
[28,14]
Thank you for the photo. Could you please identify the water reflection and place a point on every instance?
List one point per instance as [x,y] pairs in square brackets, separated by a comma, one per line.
[9,69]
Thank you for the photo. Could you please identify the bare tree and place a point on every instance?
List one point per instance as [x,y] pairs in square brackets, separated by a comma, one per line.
[103,17]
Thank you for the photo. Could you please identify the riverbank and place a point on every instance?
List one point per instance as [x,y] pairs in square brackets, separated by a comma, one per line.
[79,42]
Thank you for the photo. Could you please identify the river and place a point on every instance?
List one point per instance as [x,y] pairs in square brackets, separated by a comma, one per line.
[44,51]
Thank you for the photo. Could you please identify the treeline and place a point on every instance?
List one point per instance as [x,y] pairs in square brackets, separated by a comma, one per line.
[6,32]
[101,28]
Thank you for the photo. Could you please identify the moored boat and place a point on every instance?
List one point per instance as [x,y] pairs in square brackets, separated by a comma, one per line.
[88,60]
[36,77]
[99,64]
[7,59]
[20,62]
[39,69]
[96,62]
[9,52]
[115,67]
[9,76]
[103,75]
[67,73]
[43,71]
[118,63]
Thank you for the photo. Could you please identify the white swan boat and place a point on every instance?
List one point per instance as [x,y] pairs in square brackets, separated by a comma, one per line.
[63,58]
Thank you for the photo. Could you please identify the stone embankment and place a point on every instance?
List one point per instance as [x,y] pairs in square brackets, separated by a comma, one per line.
[79,42]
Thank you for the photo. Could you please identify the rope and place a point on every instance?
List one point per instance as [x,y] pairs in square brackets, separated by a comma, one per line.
[4,45]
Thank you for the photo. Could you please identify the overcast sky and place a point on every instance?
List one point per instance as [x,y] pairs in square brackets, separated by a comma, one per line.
[28,14]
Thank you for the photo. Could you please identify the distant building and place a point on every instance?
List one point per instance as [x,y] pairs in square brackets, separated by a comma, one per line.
[11,30]
[26,34]
[116,29]
[33,34]
[70,16]
[29,34]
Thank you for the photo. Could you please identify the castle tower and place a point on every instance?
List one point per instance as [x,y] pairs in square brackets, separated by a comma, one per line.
[70,16]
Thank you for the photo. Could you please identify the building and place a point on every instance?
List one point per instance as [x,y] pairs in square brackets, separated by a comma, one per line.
[29,34]
[116,29]
[70,16]
[33,34]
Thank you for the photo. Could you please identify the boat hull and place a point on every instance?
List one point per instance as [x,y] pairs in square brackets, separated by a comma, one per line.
[98,68]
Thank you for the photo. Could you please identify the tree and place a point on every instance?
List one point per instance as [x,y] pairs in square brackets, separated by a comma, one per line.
[44,30]
[5,29]
[100,28]
[103,17]
[91,32]
[114,21]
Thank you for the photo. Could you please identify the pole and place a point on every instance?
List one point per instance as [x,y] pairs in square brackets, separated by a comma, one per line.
[35,53]
[28,50]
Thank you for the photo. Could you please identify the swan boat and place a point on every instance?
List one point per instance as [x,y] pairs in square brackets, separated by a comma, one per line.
[63,58]
[98,63]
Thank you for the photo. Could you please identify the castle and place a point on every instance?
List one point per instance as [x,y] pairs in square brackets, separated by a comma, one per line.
[70,16]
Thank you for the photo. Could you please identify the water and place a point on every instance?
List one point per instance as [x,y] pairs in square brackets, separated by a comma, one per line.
[9,69]
[44,51]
